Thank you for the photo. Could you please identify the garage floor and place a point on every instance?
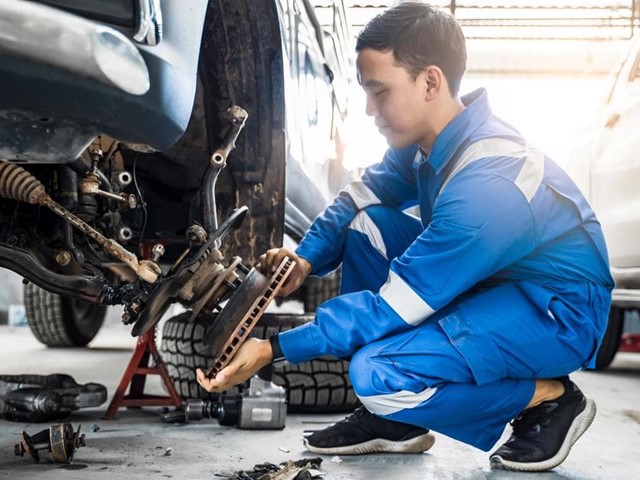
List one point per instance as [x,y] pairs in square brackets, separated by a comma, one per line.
[138,445]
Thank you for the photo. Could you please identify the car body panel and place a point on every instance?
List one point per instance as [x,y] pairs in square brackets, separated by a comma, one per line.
[605,163]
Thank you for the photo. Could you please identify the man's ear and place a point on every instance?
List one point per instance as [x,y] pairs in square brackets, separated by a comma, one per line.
[433,79]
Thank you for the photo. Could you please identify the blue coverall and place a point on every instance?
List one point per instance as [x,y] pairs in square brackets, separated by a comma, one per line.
[448,320]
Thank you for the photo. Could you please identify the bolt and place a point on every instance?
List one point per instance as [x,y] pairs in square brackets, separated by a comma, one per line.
[63,258]
[132,201]
[196,235]
[156,252]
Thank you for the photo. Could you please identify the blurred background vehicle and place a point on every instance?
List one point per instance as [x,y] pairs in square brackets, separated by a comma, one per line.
[605,163]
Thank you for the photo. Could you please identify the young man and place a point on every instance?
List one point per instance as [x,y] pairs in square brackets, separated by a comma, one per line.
[475,314]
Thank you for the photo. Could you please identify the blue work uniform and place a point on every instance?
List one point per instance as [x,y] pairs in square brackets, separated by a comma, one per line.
[449,319]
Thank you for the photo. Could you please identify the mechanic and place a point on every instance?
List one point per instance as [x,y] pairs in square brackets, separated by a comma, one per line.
[473,315]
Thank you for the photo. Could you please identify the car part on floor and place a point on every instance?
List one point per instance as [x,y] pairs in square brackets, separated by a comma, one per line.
[319,386]
[58,321]
[39,398]
[262,406]
[58,439]
[305,469]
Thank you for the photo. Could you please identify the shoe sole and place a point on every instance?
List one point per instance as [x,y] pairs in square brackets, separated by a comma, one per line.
[418,444]
[579,425]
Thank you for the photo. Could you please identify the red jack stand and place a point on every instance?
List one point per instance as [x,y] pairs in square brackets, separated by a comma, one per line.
[135,375]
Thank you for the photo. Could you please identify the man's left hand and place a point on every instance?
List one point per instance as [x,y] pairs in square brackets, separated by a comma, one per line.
[252,355]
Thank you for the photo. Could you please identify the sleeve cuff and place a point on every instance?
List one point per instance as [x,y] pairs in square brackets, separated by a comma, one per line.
[300,344]
[278,356]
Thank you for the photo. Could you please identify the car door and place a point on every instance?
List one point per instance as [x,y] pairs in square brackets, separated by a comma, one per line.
[614,180]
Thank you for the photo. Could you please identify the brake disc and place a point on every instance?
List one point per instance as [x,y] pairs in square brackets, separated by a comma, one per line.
[235,321]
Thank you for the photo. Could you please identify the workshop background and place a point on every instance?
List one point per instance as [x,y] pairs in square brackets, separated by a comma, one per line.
[548,67]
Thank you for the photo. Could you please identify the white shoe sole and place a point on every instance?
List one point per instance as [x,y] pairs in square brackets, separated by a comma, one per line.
[418,444]
[577,428]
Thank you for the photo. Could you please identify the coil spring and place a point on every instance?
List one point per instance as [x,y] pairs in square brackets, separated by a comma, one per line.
[18,184]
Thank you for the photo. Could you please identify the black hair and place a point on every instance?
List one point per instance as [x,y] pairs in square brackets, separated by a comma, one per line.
[419,35]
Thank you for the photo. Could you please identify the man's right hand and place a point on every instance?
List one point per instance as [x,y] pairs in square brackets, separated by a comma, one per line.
[269,262]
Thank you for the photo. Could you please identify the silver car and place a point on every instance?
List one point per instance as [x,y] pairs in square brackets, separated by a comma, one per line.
[605,163]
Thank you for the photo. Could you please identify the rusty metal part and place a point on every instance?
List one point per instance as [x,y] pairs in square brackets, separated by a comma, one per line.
[18,184]
[237,116]
[223,282]
[241,313]
[58,439]
[63,258]
[186,287]
[157,251]
[192,276]
[196,235]
[90,185]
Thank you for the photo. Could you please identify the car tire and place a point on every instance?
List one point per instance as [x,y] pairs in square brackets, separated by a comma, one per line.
[57,321]
[317,290]
[318,386]
[611,340]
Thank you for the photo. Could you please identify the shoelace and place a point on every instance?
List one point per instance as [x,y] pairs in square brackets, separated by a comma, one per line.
[528,420]
[358,414]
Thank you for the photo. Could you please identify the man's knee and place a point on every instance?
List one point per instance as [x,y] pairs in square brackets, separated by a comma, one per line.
[372,374]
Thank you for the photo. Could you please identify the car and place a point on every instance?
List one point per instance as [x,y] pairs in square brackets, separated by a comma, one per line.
[113,110]
[605,163]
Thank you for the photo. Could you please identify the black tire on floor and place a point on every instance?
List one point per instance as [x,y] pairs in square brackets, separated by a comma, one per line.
[611,341]
[58,321]
[319,386]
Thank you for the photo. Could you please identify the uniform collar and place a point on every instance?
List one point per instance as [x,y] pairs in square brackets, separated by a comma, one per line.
[476,112]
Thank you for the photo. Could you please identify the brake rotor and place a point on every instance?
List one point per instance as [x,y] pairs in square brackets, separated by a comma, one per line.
[234,323]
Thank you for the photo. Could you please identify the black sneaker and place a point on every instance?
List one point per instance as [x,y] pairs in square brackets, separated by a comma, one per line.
[543,435]
[364,432]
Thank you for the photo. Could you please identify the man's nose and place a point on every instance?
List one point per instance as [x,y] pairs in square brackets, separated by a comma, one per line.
[371,109]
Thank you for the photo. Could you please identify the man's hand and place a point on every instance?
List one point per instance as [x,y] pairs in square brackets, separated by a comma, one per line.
[270,261]
[252,355]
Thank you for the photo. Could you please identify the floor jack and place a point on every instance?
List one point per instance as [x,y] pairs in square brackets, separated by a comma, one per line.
[202,281]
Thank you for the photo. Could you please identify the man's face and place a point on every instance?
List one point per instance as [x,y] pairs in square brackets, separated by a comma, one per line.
[394,98]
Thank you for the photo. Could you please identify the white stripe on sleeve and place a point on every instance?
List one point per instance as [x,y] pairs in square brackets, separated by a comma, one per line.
[361,195]
[404,301]
[362,223]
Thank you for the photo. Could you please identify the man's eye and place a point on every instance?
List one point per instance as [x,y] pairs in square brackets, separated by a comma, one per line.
[377,94]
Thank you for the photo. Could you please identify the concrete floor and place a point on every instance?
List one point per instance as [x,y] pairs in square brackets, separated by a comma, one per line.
[136,444]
